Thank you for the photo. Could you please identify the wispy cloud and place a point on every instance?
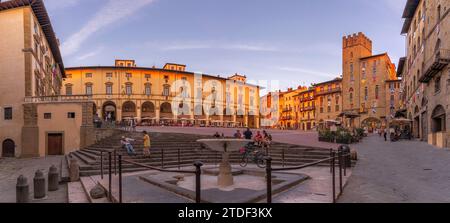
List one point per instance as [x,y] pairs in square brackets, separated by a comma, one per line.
[90,54]
[213,45]
[306,71]
[60,4]
[395,5]
[322,48]
[113,11]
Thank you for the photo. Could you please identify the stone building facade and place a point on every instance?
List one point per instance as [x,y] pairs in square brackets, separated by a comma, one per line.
[165,96]
[32,122]
[328,97]
[368,90]
[305,109]
[425,71]
[364,82]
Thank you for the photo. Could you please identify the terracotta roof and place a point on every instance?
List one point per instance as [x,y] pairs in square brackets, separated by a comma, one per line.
[378,55]
[327,82]
[40,11]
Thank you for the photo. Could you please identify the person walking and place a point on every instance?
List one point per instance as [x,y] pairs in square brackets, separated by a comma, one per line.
[385,135]
[146,144]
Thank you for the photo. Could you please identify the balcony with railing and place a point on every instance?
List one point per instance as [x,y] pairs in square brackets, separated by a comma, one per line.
[59,98]
[329,91]
[434,65]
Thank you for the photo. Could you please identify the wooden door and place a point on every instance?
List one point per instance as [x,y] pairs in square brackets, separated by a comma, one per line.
[55,144]
[424,127]
[8,148]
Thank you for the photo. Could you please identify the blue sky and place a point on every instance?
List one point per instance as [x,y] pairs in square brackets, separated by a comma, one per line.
[297,42]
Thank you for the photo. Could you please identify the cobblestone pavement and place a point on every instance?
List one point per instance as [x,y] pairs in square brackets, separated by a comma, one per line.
[294,137]
[11,169]
[316,190]
[400,172]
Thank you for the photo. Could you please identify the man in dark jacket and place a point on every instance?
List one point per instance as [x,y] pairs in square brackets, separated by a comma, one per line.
[248,134]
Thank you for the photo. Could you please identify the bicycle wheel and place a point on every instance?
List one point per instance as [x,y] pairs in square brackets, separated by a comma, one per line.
[244,161]
[261,162]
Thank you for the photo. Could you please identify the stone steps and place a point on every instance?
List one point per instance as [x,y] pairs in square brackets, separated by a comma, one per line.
[190,151]
[76,193]
[88,184]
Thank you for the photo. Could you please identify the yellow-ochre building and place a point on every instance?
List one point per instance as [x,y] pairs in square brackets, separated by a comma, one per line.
[165,96]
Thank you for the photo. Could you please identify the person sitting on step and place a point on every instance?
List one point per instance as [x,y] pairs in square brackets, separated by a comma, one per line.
[126,143]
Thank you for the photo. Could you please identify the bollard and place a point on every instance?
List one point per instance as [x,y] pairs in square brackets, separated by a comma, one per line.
[198,185]
[39,185]
[120,178]
[53,179]
[22,190]
[110,176]
[101,164]
[333,175]
[74,169]
[269,179]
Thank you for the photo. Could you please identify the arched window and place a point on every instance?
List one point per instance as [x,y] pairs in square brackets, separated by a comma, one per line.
[377,92]
[366,93]
[439,13]
[148,89]
[89,88]
[437,85]
[129,89]
[109,88]
[351,94]
[69,89]
[166,90]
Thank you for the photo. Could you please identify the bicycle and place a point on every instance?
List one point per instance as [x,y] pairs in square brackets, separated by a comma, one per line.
[253,155]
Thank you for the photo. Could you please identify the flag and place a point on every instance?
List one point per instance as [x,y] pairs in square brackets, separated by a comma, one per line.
[54,70]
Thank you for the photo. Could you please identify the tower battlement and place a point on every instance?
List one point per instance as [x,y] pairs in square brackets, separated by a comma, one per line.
[357,39]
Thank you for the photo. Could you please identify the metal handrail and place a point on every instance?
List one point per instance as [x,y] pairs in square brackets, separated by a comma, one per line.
[156,168]
[332,159]
[197,173]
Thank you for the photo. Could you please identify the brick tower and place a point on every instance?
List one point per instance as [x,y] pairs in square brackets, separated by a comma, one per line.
[354,48]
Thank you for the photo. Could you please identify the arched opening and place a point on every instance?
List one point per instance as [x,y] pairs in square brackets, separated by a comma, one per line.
[148,113]
[184,115]
[148,110]
[109,111]
[438,119]
[416,124]
[371,124]
[129,110]
[166,111]
[8,148]
[183,109]
[94,109]
[228,118]
[199,116]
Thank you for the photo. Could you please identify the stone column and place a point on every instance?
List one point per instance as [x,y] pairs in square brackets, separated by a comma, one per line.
[119,114]
[158,114]
[139,114]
